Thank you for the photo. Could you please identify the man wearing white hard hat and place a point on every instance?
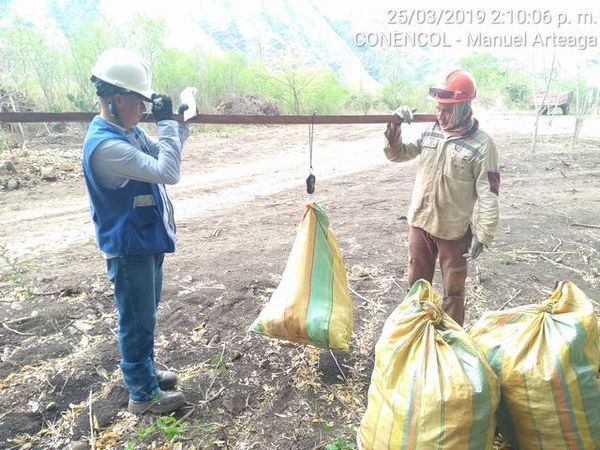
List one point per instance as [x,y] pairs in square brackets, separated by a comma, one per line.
[125,173]
[454,209]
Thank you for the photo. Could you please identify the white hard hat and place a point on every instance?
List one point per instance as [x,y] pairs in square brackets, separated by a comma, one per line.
[124,69]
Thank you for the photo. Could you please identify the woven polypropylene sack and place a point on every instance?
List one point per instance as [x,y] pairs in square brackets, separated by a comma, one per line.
[312,304]
[431,387]
[546,357]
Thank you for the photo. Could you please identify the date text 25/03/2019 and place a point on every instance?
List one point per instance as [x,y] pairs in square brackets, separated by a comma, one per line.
[463,16]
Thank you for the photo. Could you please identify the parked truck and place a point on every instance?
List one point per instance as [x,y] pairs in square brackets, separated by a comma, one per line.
[553,102]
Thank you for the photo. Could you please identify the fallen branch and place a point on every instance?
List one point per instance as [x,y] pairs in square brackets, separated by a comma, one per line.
[320,446]
[92,437]
[20,333]
[394,281]
[557,246]
[194,288]
[534,252]
[18,320]
[338,366]
[380,308]
[584,225]
[186,415]
[217,395]
[66,381]
[564,266]
[40,294]
[209,388]
[510,299]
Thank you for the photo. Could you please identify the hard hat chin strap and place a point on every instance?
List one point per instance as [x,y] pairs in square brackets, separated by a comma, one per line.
[107,91]
[113,111]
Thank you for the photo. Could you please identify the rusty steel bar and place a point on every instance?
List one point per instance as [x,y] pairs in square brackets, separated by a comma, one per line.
[33,117]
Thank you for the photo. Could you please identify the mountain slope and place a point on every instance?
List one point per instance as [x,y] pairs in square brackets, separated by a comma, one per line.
[276,32]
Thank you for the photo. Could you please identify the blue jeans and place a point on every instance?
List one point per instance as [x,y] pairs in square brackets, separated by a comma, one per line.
[137,284]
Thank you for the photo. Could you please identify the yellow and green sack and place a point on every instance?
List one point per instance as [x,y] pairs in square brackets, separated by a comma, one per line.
[312,304]
[546,357]
[431,387]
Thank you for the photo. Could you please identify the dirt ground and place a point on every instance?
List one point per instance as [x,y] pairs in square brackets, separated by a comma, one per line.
[240,199]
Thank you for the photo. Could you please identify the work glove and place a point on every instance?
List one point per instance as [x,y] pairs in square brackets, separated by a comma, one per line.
[182,108]
[474,250]
[404,113]
[162,107]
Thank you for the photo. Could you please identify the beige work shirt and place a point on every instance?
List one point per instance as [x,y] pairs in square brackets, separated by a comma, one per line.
[457,182]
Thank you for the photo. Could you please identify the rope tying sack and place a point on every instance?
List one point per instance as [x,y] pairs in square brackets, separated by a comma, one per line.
[547,306]
[433,312]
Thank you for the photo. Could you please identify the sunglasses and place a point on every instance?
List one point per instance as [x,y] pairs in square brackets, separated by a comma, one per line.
[443,93]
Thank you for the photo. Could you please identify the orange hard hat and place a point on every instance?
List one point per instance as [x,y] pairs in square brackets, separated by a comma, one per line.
[458,87]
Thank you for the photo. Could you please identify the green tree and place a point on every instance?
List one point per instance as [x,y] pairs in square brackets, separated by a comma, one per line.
[34,63]
[220,76]
[146,35]
[306,90]
[173,71]
[486,69]
[401,91]
[86,45]
[518,94]
[56,72]
[325,95]
[489,75]
[362,101]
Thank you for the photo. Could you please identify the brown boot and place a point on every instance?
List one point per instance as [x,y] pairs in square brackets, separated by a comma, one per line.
[161,403]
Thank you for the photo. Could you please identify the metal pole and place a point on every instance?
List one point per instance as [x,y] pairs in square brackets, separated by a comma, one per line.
[33,117]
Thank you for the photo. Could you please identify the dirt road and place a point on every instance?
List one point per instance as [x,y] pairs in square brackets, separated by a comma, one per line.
[237,207]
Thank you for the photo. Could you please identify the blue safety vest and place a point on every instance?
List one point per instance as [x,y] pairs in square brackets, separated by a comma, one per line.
[128,220]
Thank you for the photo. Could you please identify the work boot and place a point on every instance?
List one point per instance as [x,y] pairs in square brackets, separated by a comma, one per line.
[166,379]
[161,403]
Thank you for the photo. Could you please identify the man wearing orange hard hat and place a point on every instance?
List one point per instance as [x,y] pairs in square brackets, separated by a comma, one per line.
[454,209]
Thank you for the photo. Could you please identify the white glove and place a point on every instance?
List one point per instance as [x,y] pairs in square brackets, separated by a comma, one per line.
[404,113]
[474,250]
